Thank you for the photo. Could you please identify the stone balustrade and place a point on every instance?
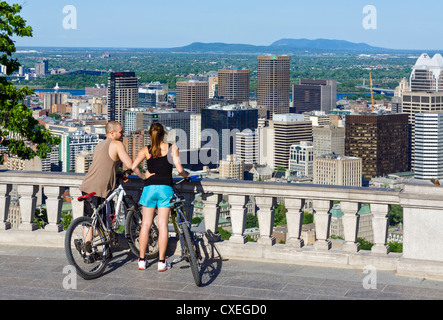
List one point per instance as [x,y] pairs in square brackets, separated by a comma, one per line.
[422,204]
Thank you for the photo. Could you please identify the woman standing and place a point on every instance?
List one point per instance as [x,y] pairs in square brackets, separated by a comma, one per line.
[158,191]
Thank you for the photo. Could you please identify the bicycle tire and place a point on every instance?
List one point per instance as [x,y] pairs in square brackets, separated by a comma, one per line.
[132,232]
[190,244]
[75,251]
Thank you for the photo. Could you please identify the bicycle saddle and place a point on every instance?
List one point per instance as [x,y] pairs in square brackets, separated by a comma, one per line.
[86,197]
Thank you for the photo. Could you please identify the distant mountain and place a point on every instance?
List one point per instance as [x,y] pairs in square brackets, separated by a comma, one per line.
[324,44]
[280,47]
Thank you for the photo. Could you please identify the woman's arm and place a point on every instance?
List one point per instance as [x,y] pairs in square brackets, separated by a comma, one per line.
[177,162]
[143,154]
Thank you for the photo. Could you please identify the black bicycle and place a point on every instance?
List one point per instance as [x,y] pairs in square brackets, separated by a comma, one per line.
[89,240]
[190,250]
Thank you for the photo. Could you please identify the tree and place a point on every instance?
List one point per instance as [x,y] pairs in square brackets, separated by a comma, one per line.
[26,139]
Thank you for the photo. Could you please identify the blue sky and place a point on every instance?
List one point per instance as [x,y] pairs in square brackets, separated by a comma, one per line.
[401,24]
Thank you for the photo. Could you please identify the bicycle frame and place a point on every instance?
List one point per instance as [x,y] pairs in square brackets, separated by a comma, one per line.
[96,216]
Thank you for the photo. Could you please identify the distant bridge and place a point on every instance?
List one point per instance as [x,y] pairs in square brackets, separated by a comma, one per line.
[388,92]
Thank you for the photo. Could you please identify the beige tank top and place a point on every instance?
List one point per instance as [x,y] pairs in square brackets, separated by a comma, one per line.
[101,175]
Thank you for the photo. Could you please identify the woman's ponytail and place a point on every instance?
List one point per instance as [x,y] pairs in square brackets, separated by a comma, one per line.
[157,134]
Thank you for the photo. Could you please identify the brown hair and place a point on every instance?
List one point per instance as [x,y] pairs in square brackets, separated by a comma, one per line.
[157,134]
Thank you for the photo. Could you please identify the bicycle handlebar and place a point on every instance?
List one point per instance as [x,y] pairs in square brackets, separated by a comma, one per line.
[187,179]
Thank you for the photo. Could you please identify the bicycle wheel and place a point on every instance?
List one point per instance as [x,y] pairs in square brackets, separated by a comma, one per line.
[132,233]
[191,248]
[85,252]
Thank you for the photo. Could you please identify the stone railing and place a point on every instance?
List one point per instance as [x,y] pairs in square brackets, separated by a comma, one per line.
[422,215]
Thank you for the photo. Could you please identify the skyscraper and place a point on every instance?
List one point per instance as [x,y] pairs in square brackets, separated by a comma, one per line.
[286,130]
[122,94]
[191,95]
[428,146]
[314,94]
[380,140]
[233,84]
[227,121]
[425,94]
[427,73]
[273,85]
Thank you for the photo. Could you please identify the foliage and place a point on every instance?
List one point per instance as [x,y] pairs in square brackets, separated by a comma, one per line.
[65,220]
[225,235]
[280,215]
[308,218]
[395,215]
[41,218]
[364,244]
[395,246]
[15,118]
[251,221]
[196,220]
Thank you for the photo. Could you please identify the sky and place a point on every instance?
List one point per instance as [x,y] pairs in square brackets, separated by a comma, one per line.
[396,24]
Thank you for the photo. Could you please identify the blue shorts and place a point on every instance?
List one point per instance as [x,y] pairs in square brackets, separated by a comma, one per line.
[157,196]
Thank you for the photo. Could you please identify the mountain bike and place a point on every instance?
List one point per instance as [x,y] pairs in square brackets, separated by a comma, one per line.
[190,250]
[89,240]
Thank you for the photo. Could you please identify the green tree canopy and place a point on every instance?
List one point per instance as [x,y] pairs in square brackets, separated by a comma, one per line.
[27,139]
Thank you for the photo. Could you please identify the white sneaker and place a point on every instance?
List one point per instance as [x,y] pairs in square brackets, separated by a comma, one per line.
[163,266]
[142,264]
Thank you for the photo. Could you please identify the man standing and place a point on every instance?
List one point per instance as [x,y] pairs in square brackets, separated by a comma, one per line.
[101,177]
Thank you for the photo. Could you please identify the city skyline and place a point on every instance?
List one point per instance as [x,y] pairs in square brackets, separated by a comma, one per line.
[175,23]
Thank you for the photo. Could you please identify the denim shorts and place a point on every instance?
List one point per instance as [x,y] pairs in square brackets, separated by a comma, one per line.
[157,196]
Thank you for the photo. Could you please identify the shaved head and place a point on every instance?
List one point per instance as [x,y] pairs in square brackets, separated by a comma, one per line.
[112,126]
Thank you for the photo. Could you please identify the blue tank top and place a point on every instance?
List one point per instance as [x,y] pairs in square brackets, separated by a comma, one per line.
[162,167]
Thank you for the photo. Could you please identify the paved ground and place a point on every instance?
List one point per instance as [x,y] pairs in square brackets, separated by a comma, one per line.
[36,273]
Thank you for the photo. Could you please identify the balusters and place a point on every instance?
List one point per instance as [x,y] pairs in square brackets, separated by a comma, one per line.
[322,220]
[211,211]
[350,225]
[265,214]
[238,218]
[77,206]
[294,218]
[5,200]
[28,202]
[54,204]
[380,227]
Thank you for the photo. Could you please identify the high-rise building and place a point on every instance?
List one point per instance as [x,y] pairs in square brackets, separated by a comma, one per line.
[134,141]
[191,95]
[232,168]
[234,84]
[419,102]
[314,94]
[195,131]
[428,146]
[51,98]
[226,121]
[338,170]
[427,74]
[273,85]
[177,124]
[41,68]
[286,130]
[380,140]
[247,147]
[122,94]
[328,139]
[72,144]
[301,159]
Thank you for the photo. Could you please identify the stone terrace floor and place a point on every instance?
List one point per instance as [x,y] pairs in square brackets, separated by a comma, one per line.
[36,273]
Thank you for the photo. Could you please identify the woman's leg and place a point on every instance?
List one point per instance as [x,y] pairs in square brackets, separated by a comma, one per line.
[163,219]
[148,217]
